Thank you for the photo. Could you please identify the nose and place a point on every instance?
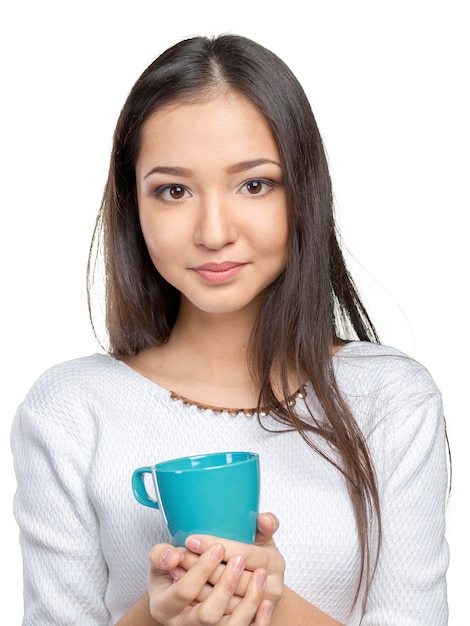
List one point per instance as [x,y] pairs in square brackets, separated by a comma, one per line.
[216,225]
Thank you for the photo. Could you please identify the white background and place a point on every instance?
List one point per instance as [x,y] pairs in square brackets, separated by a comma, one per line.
[389,83]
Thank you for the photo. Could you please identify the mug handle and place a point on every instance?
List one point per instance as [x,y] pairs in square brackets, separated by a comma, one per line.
[138,487]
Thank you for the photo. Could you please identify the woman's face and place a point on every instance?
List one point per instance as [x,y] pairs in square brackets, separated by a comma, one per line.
[211,201]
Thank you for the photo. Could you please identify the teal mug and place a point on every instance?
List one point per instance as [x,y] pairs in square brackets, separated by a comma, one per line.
[211,494]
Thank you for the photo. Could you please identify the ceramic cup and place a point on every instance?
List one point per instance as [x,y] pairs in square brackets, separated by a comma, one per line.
[211,494]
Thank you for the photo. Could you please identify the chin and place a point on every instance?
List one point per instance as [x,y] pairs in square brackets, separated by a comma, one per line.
[224,306]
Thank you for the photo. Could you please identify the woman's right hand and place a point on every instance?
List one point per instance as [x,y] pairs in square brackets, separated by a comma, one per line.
[175,594]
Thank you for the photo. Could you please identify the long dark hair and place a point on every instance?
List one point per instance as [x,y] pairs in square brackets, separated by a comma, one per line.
[311,307]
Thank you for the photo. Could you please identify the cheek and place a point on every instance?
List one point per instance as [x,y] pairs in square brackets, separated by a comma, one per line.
[274,236]
[279,248]
[162,236]
[161,250]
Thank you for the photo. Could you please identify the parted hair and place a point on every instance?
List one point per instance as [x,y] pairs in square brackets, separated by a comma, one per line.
[314,303]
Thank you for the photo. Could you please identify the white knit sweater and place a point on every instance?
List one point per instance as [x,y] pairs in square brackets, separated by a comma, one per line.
[87,424]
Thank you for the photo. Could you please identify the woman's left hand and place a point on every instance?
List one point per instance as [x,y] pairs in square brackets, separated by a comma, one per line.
[262,554]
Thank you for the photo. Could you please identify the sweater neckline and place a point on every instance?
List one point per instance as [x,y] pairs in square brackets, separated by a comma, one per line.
[300,394]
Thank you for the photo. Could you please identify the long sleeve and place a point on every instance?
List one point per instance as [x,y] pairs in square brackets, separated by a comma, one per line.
[409,588]
[64,571]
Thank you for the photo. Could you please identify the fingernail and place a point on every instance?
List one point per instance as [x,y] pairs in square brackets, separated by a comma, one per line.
[217,552]
[193,544]
[274,520]
[175,573]
[165,556]
[260,579]
[266,608]
[238,565]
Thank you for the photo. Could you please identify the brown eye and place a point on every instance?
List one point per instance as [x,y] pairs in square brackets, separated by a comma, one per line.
[257,187]
[176,192]
[254,187]
[172,192]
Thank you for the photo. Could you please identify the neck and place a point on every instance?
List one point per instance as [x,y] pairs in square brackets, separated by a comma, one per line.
[217,338]
[206,358]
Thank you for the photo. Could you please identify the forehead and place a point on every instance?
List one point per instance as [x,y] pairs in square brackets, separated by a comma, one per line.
[214,99]
[223,122]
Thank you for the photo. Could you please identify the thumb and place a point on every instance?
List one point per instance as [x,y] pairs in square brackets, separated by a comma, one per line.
[267,525]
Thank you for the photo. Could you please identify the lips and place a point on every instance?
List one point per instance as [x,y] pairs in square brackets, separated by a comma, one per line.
[218,273]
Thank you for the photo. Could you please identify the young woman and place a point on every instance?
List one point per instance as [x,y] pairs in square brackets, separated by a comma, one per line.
[233,323]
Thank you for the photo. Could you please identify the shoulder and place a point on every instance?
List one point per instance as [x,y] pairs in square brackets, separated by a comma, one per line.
[91,390]
[70,403]
[75,395]
[385,387]
[72,380]
[363,367]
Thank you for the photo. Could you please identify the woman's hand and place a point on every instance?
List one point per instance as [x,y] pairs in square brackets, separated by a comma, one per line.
[217,586]
[180,597]
[262,554]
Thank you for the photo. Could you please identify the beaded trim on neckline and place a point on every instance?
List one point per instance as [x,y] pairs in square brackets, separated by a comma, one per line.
[263,412]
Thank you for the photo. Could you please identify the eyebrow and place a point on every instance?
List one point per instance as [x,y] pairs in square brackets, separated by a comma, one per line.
[173,171]
[236,168]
